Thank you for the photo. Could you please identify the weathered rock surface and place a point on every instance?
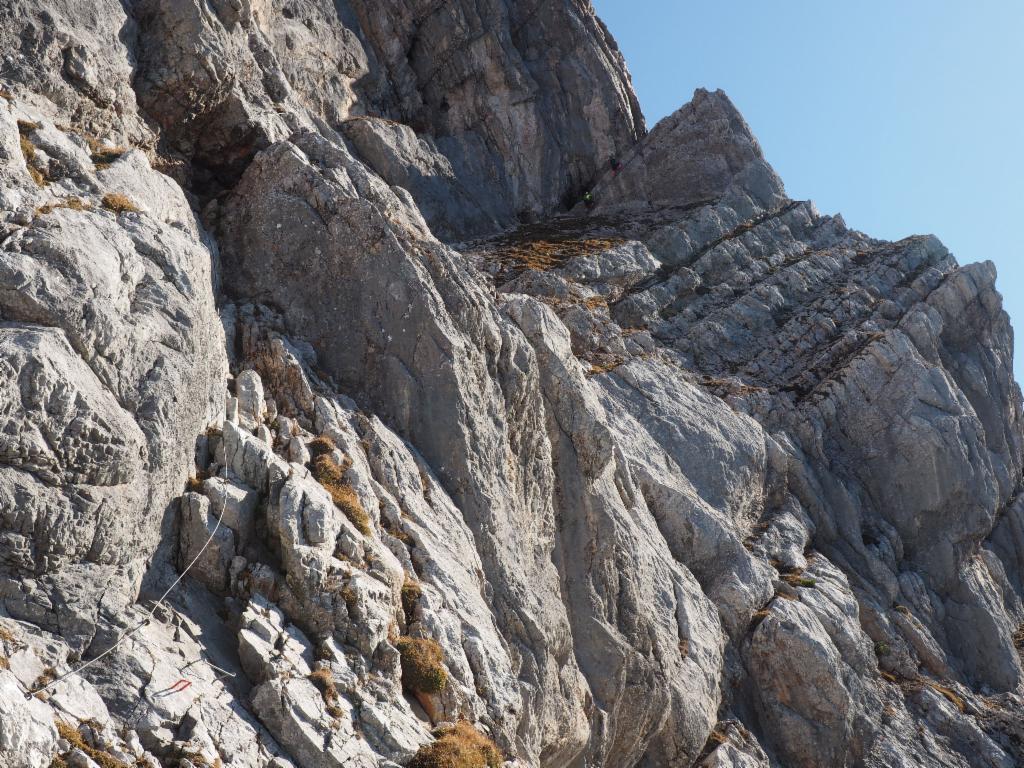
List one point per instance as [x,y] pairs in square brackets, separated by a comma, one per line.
[697,477]
[108,318]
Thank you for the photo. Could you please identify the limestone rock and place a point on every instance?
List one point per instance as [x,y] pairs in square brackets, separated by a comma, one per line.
[694,477]
[704,152]
[28,735]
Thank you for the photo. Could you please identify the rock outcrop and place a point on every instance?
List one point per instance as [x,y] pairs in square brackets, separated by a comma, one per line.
[334,433]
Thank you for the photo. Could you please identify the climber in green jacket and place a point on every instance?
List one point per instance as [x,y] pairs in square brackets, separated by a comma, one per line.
[588,199]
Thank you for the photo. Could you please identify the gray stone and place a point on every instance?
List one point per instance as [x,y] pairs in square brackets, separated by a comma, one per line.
[28,735]
[252,407]
[698,476]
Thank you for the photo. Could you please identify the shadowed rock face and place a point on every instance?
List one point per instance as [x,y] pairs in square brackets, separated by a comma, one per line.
[517,106]
[696,477]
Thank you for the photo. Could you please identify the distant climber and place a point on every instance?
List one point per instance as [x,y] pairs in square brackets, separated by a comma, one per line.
[613,161]
[588,199]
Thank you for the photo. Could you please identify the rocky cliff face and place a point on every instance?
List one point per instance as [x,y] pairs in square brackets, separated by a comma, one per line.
[296,301]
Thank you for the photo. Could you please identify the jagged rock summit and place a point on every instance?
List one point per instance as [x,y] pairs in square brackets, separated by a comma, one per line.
[336,431]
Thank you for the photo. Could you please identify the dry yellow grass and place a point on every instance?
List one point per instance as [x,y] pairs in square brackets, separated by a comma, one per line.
[604,366]
[37,176]
[321,445]
[194,484]
[28,150]
[460,746]
[331,476]
[949,694]
[324,682]
[48,675]
[547,254]
[411,591]
[199,761]
[758,617]
[69,733]
[395,530]
[119,204]
[73,203]
[718,736]
[422,665]
[104,157]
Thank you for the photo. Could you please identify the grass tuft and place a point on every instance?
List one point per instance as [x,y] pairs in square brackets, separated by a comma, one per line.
[70,734]
[460,746]
[718,736]
[73,203]
[48,675]
[119,204]
[197,759]
[950,695]
[320,445]
[28,150]
[396,531]
[545,254]
[324,682]
[331,476]
[609,363]
[797,579]
[422,665]
[411,593]
[104,157]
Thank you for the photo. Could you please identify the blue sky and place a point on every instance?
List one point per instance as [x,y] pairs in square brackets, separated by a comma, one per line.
[907,117]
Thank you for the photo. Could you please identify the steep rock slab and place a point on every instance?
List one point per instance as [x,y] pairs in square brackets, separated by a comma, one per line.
[703,152]
[106,298]
[647,638]
[518,107]
[535,95]
[400,323]
[850,352]
[811,700]
[73,58]
[452,204]
[413,570]
[703,472]
[870,357]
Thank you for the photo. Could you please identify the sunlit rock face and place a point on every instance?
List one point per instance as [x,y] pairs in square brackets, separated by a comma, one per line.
[300,303]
